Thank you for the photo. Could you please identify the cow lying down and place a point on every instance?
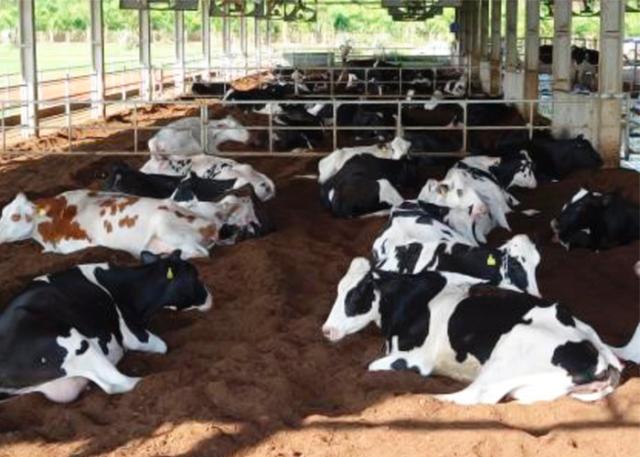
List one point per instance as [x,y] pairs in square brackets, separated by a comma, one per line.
[212,168]
[183,137]
[71,327]
[414,243]
[503,342]
[124,179]
[594,220]
[81,219]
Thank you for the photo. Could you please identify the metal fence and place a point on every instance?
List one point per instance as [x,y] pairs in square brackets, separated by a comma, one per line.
[137,131]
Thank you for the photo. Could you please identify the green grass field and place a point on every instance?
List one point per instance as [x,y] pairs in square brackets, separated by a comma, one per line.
[63,56]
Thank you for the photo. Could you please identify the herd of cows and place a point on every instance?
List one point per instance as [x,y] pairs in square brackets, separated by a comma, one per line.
[445,301]
[450,305]
[71,327]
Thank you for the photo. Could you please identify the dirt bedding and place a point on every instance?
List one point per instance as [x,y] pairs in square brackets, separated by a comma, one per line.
[254,377]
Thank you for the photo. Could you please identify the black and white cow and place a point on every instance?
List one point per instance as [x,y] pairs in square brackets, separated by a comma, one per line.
[127,180]
[505,343]
[472,228]
[297,116]
[555,159]
[414,244]
[333,163]
[71,327]
[597,221]
[357,181]
[484,184]
[182,137]
[513,170]
[460,197]
[214,168]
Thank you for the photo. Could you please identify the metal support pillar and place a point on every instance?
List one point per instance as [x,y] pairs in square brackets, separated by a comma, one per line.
[511,44]
[179,72]
[206,40]
[225,34]
[562,46]
[29,88]
[484,29]
[532,51]
[243,39]
[474,12]
[257,44]
[144,29]
[97,59]
[610,80]
[496,54]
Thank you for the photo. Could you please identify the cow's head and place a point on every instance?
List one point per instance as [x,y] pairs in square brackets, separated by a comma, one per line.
[453,195]
[166,165]
[174,283]
[576,214]
[181,137]
[515,171]
[113,181]
[17,221]
[357,303]
[519,264]
[263,187]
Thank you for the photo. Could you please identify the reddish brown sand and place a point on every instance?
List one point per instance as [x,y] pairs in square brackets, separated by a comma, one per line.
[254,377]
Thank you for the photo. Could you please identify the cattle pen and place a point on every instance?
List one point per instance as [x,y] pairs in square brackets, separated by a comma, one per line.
[322,133]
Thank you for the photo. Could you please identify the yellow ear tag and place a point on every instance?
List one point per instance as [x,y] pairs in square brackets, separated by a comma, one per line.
[169,274]
[491,260]
[42,211]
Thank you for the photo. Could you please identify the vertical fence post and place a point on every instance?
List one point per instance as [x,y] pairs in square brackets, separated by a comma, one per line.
[4,132]
[135,127]
[531,119]
[123,91]
[270,105]
[204,128]
[464,126]
[335,122]
[67,106]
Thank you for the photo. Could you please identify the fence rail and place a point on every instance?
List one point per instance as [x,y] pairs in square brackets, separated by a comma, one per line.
[136,129]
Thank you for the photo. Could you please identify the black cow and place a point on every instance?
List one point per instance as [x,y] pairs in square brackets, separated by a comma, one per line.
[68,328]
[297,116]
[597,221]
[364,184]
[210,89]
[555,159]
[126,180]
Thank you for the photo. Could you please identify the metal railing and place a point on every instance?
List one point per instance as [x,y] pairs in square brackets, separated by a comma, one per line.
[138,128]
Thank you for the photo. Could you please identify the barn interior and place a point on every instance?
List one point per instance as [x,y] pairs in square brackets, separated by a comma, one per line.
[254,376]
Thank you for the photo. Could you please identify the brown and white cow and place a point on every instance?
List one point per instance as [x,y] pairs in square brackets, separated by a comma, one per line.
[81,219]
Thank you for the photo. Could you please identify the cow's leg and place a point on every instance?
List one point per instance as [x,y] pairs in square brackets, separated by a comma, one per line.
[63,390]
[498,379]
[154,344]
[94,365]
[403,361]
[170,237]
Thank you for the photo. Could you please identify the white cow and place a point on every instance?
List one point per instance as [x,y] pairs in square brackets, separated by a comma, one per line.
[183,137]
[211,167]
[80,219]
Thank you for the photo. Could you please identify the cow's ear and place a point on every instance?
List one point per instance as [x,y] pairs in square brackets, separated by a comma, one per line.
[175,255]
[148,257]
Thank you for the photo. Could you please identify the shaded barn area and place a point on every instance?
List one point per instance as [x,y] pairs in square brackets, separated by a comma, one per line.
[255,377]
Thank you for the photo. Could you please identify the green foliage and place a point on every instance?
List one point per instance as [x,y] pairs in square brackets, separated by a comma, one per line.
[364,20]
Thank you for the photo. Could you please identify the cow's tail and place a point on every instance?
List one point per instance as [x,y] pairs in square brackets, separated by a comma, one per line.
[631,351]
